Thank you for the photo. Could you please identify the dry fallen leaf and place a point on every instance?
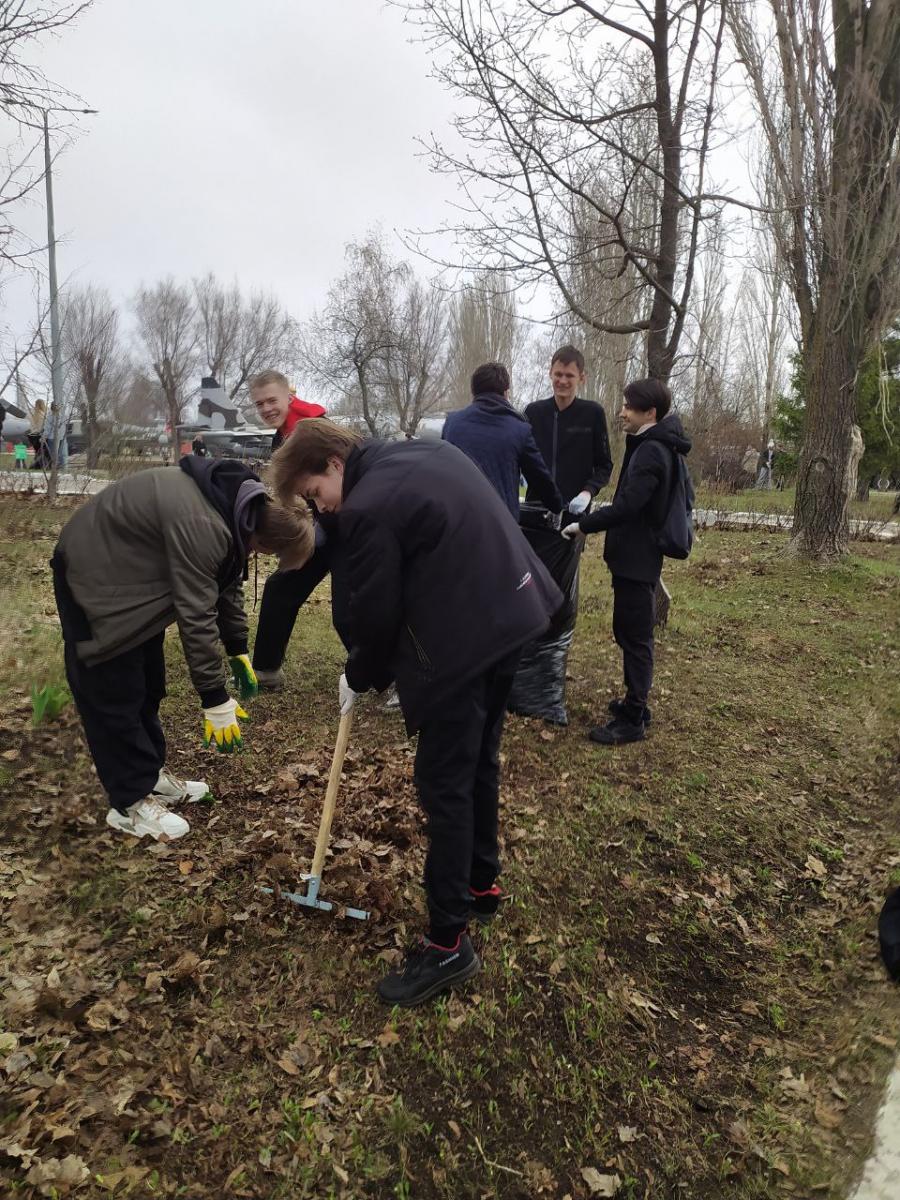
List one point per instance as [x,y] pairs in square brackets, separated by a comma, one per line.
[600,1185]
[388,1037]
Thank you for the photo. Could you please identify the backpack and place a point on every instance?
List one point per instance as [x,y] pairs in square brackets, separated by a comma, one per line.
[675,536]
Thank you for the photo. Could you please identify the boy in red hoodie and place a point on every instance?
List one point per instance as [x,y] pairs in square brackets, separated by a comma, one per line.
[285,591]
[278,407]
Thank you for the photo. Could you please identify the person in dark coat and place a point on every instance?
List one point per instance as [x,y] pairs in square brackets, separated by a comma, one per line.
[571,434]
[442,593]
[639,508]
[499,441]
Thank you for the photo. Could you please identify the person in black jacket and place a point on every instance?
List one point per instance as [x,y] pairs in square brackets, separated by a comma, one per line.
[632,554]
[442,593]
[499,441]
[571,434]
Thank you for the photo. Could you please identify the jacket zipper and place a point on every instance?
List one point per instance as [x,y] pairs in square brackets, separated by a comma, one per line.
[420,653]
[555,437]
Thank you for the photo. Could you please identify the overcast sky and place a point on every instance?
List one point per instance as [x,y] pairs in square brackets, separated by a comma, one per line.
[251,139]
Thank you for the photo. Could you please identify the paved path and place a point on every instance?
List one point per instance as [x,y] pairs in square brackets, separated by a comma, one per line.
[881,1177]
[69,483]
[720,518]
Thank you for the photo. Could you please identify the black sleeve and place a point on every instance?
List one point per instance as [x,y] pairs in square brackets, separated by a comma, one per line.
[646,472]
[375,581]
[533,467]
[602,459]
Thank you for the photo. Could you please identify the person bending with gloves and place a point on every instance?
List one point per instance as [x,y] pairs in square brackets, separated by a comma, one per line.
[442,591]
[153,549]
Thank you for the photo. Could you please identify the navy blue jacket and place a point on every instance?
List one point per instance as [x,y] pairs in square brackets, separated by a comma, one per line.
[499,441]
[440,582]
[641,502]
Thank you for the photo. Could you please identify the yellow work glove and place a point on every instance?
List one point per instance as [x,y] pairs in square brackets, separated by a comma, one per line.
[220,727]
[244,676]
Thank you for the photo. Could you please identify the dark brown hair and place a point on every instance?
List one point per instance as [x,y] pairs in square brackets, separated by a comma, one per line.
[306,452]
[490,377]
[567,355]
[644,394]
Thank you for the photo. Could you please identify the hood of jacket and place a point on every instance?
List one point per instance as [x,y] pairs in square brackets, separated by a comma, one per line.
[670,432]
[493,403]
[234,492]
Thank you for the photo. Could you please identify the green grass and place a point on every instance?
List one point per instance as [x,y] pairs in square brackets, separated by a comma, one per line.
[878,507]
[669,962]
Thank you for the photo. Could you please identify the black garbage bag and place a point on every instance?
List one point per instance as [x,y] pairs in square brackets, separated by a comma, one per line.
[889,934]
[539,688]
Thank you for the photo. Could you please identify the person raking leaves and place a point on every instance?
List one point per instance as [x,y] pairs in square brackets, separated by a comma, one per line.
[442,592]
[157,548]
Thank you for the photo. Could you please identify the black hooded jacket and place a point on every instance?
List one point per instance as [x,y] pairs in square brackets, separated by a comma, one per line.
[236,494]
[641,501]
[441,583]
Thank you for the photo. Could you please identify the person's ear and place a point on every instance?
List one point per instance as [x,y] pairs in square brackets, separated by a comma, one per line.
[336,464]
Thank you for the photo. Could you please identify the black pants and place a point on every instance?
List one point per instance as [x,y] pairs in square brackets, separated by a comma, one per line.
[283,596]
[118,702]
[457,775]
[633,616]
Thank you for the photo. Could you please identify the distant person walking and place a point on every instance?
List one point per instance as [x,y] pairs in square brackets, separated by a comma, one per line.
[764,467]
[198,446]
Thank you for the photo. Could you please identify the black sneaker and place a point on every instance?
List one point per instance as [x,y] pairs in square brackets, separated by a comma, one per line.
[617,733]
[427,970]
[483,905]
[617,709]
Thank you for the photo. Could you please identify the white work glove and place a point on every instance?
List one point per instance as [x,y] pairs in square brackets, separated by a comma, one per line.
[220,726]
[346,696]
[571,531]
[579,503]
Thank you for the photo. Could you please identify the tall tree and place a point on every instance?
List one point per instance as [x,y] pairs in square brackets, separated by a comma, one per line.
[90,344]
[825,77]
[484,326]
[565,104]
[167,330]
[241,335]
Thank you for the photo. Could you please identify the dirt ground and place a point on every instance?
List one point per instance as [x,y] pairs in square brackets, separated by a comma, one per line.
[682,998]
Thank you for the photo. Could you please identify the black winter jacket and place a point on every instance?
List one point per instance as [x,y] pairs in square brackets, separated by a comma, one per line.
[574,444]
[641,501]
[441,582]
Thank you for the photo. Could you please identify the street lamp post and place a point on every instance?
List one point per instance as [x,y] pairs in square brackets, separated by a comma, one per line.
[55,355]
[55,351]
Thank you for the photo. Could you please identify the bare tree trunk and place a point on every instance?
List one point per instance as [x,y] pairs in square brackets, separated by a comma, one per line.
[824,483]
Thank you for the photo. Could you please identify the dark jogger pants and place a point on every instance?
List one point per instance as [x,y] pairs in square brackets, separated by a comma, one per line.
[283,596]
[633,615]
[118,702]
[457,775]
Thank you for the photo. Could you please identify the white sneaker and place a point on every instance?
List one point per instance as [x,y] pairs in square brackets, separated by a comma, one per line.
[170,789]
[148,816]
[392,704]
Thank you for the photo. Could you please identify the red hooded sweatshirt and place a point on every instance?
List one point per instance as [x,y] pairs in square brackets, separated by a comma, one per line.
[298,410]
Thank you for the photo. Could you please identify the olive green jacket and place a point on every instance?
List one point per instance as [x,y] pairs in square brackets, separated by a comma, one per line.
[149,551]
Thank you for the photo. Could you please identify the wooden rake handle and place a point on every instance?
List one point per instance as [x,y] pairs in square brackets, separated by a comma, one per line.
[334,779]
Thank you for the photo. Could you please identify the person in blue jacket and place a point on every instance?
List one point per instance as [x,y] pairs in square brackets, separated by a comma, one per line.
[500,442]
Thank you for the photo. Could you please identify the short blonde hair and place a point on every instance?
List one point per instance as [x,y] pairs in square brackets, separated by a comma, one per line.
[306,452]
[286,531]
[264,378]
